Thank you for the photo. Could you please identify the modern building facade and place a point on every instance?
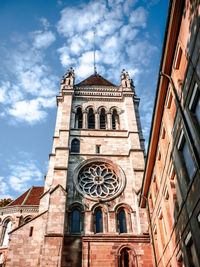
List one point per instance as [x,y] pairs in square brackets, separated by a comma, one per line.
[89,214]
[171,180]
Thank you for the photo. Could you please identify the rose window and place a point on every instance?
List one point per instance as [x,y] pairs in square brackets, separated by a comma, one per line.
[98,180]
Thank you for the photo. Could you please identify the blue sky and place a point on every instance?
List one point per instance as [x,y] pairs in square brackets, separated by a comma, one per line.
[40,40]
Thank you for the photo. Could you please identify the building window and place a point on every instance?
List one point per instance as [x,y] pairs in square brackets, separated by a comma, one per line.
[191,252]
[163,132]
[102,119]
[169,99]
[98,221]
[155,185]
[122,227]
[76,221]
[91,119]
[194,105]
[184,148]
[178,56]
[79,119]
[98,149]
[115,120]
[7,227]
[75,146]
[125,260]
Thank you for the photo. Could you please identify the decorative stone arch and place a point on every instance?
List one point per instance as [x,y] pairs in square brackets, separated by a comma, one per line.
[128,216]
[102,107]
[86,109]
[115,171]
[126,256]
[96,207]
[75,206]
[27,218]
[5,229]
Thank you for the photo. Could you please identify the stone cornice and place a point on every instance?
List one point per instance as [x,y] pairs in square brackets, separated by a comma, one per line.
[24,208]
[125,238]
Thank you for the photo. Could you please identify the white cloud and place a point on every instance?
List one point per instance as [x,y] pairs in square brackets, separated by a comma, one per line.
[138,17]
[30,111]
[45,23]
[43,39]
[141,52]
[3,91]
[23,174]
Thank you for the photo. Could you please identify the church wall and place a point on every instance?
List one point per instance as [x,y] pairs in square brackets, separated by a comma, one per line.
[24,246]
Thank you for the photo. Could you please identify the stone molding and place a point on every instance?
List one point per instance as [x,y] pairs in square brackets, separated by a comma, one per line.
[14,209]
[122,238]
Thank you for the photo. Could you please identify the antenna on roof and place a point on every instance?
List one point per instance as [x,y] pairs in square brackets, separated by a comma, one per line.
[95,69]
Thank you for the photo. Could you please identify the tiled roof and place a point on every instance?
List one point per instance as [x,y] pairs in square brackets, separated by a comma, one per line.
[30,197]
[96,80]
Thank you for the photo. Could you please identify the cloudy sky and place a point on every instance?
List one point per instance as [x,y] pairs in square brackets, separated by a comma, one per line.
[40,40]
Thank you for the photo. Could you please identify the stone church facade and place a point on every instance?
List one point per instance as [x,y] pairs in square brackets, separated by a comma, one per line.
[88,214]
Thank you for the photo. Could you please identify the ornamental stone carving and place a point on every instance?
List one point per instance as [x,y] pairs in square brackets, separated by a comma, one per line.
[99,179]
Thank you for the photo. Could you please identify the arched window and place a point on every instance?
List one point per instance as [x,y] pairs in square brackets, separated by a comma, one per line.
[75,146]
[98,221]
[102,119]
[91,119]
[115,120]
[7,227]
[126,258]
[122,221]
[79,119]
[75,221]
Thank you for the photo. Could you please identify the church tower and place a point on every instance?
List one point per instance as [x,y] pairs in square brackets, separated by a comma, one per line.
[89,214]
[98,163]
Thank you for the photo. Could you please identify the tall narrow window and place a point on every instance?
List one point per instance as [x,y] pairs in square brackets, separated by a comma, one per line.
[99,221]
[115,120]
[91,119]
[178,56]
[125,258]
[122,222]
[194,104]
[6,229]
[75,146]
[76,221]
[79,119]
[184,148]
[102,119]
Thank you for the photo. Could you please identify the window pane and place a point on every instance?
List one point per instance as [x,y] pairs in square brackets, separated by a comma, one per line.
[99,222]
[76,221]
[188,160]
[75,147]
[122,222]
[197,110]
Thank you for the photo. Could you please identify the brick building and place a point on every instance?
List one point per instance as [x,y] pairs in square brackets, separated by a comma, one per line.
[88,214]
[172,172]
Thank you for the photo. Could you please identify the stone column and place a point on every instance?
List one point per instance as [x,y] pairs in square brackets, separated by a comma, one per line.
[109,119]
[97,121]
[73,125]
[84,119]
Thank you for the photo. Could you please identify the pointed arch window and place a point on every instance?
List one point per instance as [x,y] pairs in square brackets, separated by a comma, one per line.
[102,119]
[122,226]
[75,221]
[75,146]
[115,120]
[91,119]
[98,221]
[7,227]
